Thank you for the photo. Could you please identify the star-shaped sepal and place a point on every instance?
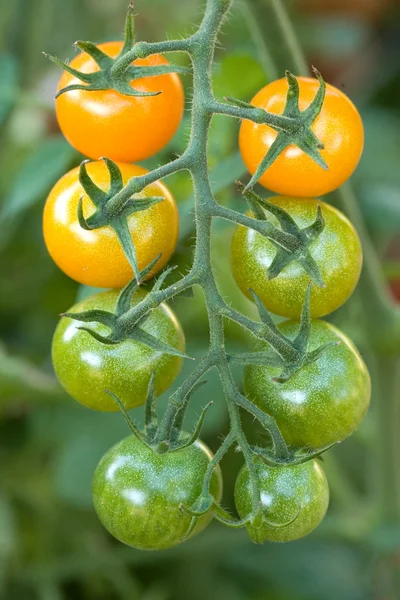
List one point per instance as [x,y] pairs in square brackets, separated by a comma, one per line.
[293,247]
[120,327]
[176,439]
[288,355]
[111,212]
[296,131]
[115,73]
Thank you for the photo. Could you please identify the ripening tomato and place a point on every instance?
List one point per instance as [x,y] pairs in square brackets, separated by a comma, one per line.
[337,252]
[96,257]
[137,493]
[338,126]
[123,128]
[325,401]
[297,493]
[86,367]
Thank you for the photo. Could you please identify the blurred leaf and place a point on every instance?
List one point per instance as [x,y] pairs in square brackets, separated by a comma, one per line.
[305,569]
[9,84]
[8,538]
[238,75]
[333,37]
[84,436]
[381,206]
[386,539]
[381,157]
[44,166]
[19,378]
[225,173]
[75,466]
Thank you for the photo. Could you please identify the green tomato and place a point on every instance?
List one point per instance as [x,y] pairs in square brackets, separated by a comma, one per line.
[86,367]
[337,252]
[324,401]
[295,498]
[137,493]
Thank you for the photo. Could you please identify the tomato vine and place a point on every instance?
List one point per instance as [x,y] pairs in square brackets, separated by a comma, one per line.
[288,355]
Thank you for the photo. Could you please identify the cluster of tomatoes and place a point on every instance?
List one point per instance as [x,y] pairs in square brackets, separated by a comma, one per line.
[138,493]
[324,401]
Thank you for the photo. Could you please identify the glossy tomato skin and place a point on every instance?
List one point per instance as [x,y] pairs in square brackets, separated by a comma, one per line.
[285,492]
[137,492]
[123,128]
[95,257]
[337,252]
[325,401]
[338,126]
[86,367]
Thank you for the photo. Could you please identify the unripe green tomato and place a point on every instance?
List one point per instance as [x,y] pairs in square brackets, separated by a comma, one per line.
[323,402]
[297,493]
[337,252]
[86,367]
[137,493]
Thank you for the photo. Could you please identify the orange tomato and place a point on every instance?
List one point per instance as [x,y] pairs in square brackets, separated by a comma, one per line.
[96,257]
[293,173]
[123,128]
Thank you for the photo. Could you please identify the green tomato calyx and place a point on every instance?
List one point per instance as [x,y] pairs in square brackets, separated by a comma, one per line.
[111,211]
[294,244]
[115,73]
[152,435]
[293,129]
[289,355]
[122,328]
[297,456]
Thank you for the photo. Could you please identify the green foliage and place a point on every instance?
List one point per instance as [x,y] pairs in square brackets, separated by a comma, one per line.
[8,90]
[33,182]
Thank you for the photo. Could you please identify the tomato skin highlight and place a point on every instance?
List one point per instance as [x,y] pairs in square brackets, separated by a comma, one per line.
[137,493]
[95,257]
[325,401]
[285,492]
[123,128]
[337,252]
[86,367]
[338,126]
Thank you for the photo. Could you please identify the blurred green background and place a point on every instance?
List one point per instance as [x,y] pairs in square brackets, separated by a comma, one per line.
[52,546]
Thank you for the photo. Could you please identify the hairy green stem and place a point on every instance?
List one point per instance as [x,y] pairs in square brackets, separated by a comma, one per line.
[282,346]
[285,240]
[253,114]
[206,208]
